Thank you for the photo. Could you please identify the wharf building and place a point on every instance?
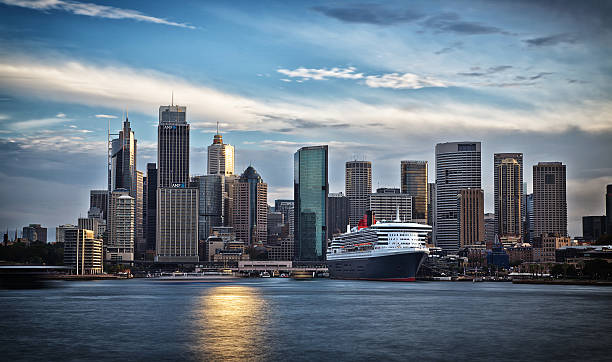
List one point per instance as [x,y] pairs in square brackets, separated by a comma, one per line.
[508,201]
[177,203]
[34,232]
[508,193]
[120,245]
[99,199]
[210,202]
[251,208]
[386,202]
[414,183]
[470,208]
[549,198]
[358,187]
[338,207]
[311,188]
[220,156]
[458,166]
[83,251]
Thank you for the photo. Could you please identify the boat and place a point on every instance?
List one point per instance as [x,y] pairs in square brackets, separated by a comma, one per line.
[387,251]
[264,275]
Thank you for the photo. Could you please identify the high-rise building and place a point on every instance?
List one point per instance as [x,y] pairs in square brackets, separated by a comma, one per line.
[121,219]
[172,147]
[91,223]
[177,225]
[34,232]
[220,157]
[228,199]
[99,199]
[386,202]
[609,209]
[358,187]
[529,219]
[311,188]
[276,222]
[549,199]
[513,193]
[210,203]
[593,227]
[508,197]
[489,226]
[83,251]
[251,208]
[471,224]
[123,161]
[151,202]
[414,183]
[338,208]
[286,207]
[60,232]
[457,167]
[139,235]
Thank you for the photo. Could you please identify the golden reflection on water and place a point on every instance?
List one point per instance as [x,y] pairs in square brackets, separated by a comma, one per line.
[230,324]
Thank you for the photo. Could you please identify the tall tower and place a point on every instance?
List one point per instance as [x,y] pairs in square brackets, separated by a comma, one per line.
[311,188]
[151,205]
[338,207]
[457,167]
[470,206]
[123,160]
[121,220]
[220,157]
[498,188]
[251,208]
[549,199]
[508,205]
[414,183]
[172,147]
[358,187]
[211,189]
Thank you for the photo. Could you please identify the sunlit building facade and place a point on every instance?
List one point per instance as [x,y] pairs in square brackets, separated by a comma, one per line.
[414,183]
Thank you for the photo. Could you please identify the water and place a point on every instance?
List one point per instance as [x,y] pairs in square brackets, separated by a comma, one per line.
[318,320]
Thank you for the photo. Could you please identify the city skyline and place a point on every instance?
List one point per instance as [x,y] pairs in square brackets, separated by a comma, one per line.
[54,129]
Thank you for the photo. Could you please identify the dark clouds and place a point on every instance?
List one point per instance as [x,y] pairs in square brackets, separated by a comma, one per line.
[552,40]
[369,14]
[452,22]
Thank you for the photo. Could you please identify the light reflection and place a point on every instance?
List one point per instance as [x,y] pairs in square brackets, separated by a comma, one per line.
[230,324]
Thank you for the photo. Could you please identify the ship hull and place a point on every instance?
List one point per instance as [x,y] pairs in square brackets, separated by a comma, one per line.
[395,268]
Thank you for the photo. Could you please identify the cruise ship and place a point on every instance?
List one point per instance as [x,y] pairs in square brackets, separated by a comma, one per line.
[384,250]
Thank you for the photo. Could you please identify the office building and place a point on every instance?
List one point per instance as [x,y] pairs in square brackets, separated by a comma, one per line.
[489,225]
[386,202]
[99,199]
[228,199]
[139,224]
[593,227]
[414,183]
[545,246]
[471,224]
[311,188]
[549,199]
[172,147]
[508,197]
[83,251]
[513,174]
[98,226]
[151,205]
[280,250]
[529,220]
[276,223]
[121,219]
[609,209]
[60,232]
[251,208]
[177,225]
[211,189]
[34,232]
[286,207]
[220,157]
[358,187]
[458,166]
[338,207]
[123,161]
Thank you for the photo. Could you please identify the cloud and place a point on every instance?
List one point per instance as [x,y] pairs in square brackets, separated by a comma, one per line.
[489,71]
[60,115]
[448,49]
[533,77]
[369,14]
[38,123]
[93,10]
[105,116]
[552,40]
[402,81]
[322,74]
[452,23]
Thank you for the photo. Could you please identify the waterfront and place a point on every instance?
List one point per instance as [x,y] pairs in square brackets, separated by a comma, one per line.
[278,319]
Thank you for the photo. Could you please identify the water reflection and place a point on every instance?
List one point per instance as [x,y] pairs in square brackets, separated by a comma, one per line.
[230,324]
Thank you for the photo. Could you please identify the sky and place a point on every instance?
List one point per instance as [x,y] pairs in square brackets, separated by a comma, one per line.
[382,81]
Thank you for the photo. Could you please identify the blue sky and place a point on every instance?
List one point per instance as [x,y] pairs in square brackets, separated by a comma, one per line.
[382,81]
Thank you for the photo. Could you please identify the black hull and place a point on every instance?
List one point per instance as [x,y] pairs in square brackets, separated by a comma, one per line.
[402,267]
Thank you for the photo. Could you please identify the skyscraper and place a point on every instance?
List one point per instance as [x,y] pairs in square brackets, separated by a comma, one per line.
[151,205]
[609,208]
[287,208]
[120,246]
[358,187]
[34,232]
[311,189]
[509,195]
[510,192]
[385,203]
[414,183]
[457,167]
[470,208]
[549,199]
[123,161]
[251,208]
[593,227]
[172,147]
[99,199]
[338,207]
[210,202]
[529,220]
[220,157]
[139,237]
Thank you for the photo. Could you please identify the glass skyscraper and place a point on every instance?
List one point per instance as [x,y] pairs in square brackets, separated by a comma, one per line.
[310,194]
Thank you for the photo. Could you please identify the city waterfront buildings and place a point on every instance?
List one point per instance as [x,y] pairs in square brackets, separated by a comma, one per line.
[83,251]
[210,202]
[414,183]
[151,206]
[250,219]
[99,199]
[470,209]
[358,187]
[120,226]
[458,166]
[220,157]
[34,232]
[593,227]
[311,188]
[123,161]
[172,147]
[508,193]
[386,202]
[549,199]
[177,225]
[489,225]
[545,245]
[60,232]
[287,208]
[338,213]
